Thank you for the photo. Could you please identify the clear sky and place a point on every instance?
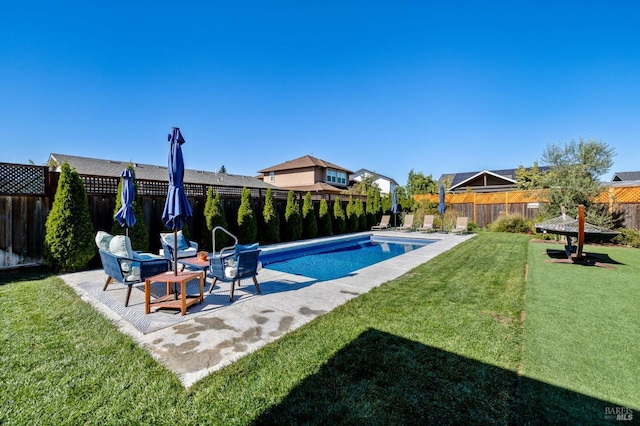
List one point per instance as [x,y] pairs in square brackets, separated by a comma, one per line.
[389,86]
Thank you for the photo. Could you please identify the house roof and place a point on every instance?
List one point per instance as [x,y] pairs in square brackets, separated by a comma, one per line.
[113,168]
[376,174]
[316,187]
[619,176]
[302,163]
[459,179]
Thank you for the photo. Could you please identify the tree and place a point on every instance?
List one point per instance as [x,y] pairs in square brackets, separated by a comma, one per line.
[363,186]
[418,183]
[68,242]
[339,222]
[352,218]
[223,169]
[138,233]
[309,222]
[359,211]
[574,178]
[292,218]
[531,178]
[370,215]
[214,216]
[247,224]
[324,219]
[271,219]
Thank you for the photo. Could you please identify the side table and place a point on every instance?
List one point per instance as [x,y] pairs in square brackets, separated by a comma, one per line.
[170,300]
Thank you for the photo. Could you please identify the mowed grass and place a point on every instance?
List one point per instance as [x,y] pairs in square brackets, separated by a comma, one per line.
[441,344]
[582,335]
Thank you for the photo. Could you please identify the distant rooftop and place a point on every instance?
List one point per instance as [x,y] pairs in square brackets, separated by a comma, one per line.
[304,162]
[113,168]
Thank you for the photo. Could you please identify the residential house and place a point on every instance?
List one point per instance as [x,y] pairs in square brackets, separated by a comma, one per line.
[307,173]
[386,184]
[483,181]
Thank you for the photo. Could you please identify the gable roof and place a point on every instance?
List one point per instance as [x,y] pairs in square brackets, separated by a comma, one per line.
[376,174]
[508,175]
[112,168]
[619,176]
[303,162]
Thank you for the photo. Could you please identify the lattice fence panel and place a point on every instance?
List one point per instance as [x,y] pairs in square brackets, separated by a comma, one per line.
[19,179]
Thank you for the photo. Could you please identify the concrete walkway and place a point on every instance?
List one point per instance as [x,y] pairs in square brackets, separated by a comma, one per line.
[209,341]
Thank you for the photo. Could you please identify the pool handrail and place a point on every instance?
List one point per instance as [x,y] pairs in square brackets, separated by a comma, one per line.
[213,237]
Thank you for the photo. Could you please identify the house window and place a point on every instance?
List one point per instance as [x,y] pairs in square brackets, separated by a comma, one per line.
[272,176]
[334,176]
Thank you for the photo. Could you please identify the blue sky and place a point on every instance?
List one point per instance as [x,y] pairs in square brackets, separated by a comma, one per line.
[437,87]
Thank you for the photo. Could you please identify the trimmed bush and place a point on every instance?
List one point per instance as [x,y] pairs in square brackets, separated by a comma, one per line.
[271,219]
[247,224]
[360,214]
[214,216]
[324,219]
[509,223]
[68,241]
[628,237]
[339,219]
[292,218]
[309,222]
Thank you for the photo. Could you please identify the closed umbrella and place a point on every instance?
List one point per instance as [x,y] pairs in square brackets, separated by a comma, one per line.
[125,215]
[176,208]
[441,205]
[394,204]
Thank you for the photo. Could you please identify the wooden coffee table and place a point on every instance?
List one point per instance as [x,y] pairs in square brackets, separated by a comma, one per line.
[170,300]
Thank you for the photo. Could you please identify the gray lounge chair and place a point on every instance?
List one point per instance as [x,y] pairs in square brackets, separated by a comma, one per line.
[384,223]
[427,224]
[407,223]
[461,225]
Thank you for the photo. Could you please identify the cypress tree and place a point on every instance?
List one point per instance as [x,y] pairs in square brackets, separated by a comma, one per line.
[247,224]
[309,222]
[352,218]
[339,221]
[360,215]
[214,216]
[68,242]
[292,218]
[324,219]
[271,219]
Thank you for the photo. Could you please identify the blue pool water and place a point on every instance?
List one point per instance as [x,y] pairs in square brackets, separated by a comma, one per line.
[339,259]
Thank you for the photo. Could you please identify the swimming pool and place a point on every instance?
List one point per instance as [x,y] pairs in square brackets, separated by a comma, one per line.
[335,259]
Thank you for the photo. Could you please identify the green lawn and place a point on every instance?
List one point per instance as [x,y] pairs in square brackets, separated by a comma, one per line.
[441,344]
[582,334]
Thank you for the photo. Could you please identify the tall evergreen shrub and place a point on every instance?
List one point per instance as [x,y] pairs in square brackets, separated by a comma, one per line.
[68,241]
[247,224]
[271,219]
[324,219]
[138,233]
[339,218]
[292,218]
[214,216]
[309,221]
[360,215]
[352,217]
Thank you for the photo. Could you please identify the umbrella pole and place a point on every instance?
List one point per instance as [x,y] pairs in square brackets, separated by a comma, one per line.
[175,252]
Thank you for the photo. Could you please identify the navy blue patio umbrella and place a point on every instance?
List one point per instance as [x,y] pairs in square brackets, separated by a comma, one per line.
[441,205]
[394,204]
[176,208]
[125,215]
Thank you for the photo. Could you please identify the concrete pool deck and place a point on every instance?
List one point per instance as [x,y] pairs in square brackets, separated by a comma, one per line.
[199,344]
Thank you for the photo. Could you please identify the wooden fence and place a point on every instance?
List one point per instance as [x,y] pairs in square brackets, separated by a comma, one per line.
[27,193]
[623,202]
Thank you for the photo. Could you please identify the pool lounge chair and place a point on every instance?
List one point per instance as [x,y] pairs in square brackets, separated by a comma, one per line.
[384,223]
[461,225]
[427,224]
[407,223]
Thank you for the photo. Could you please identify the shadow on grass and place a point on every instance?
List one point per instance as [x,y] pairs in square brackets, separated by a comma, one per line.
[590,259]
[30,273]
[380,378]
